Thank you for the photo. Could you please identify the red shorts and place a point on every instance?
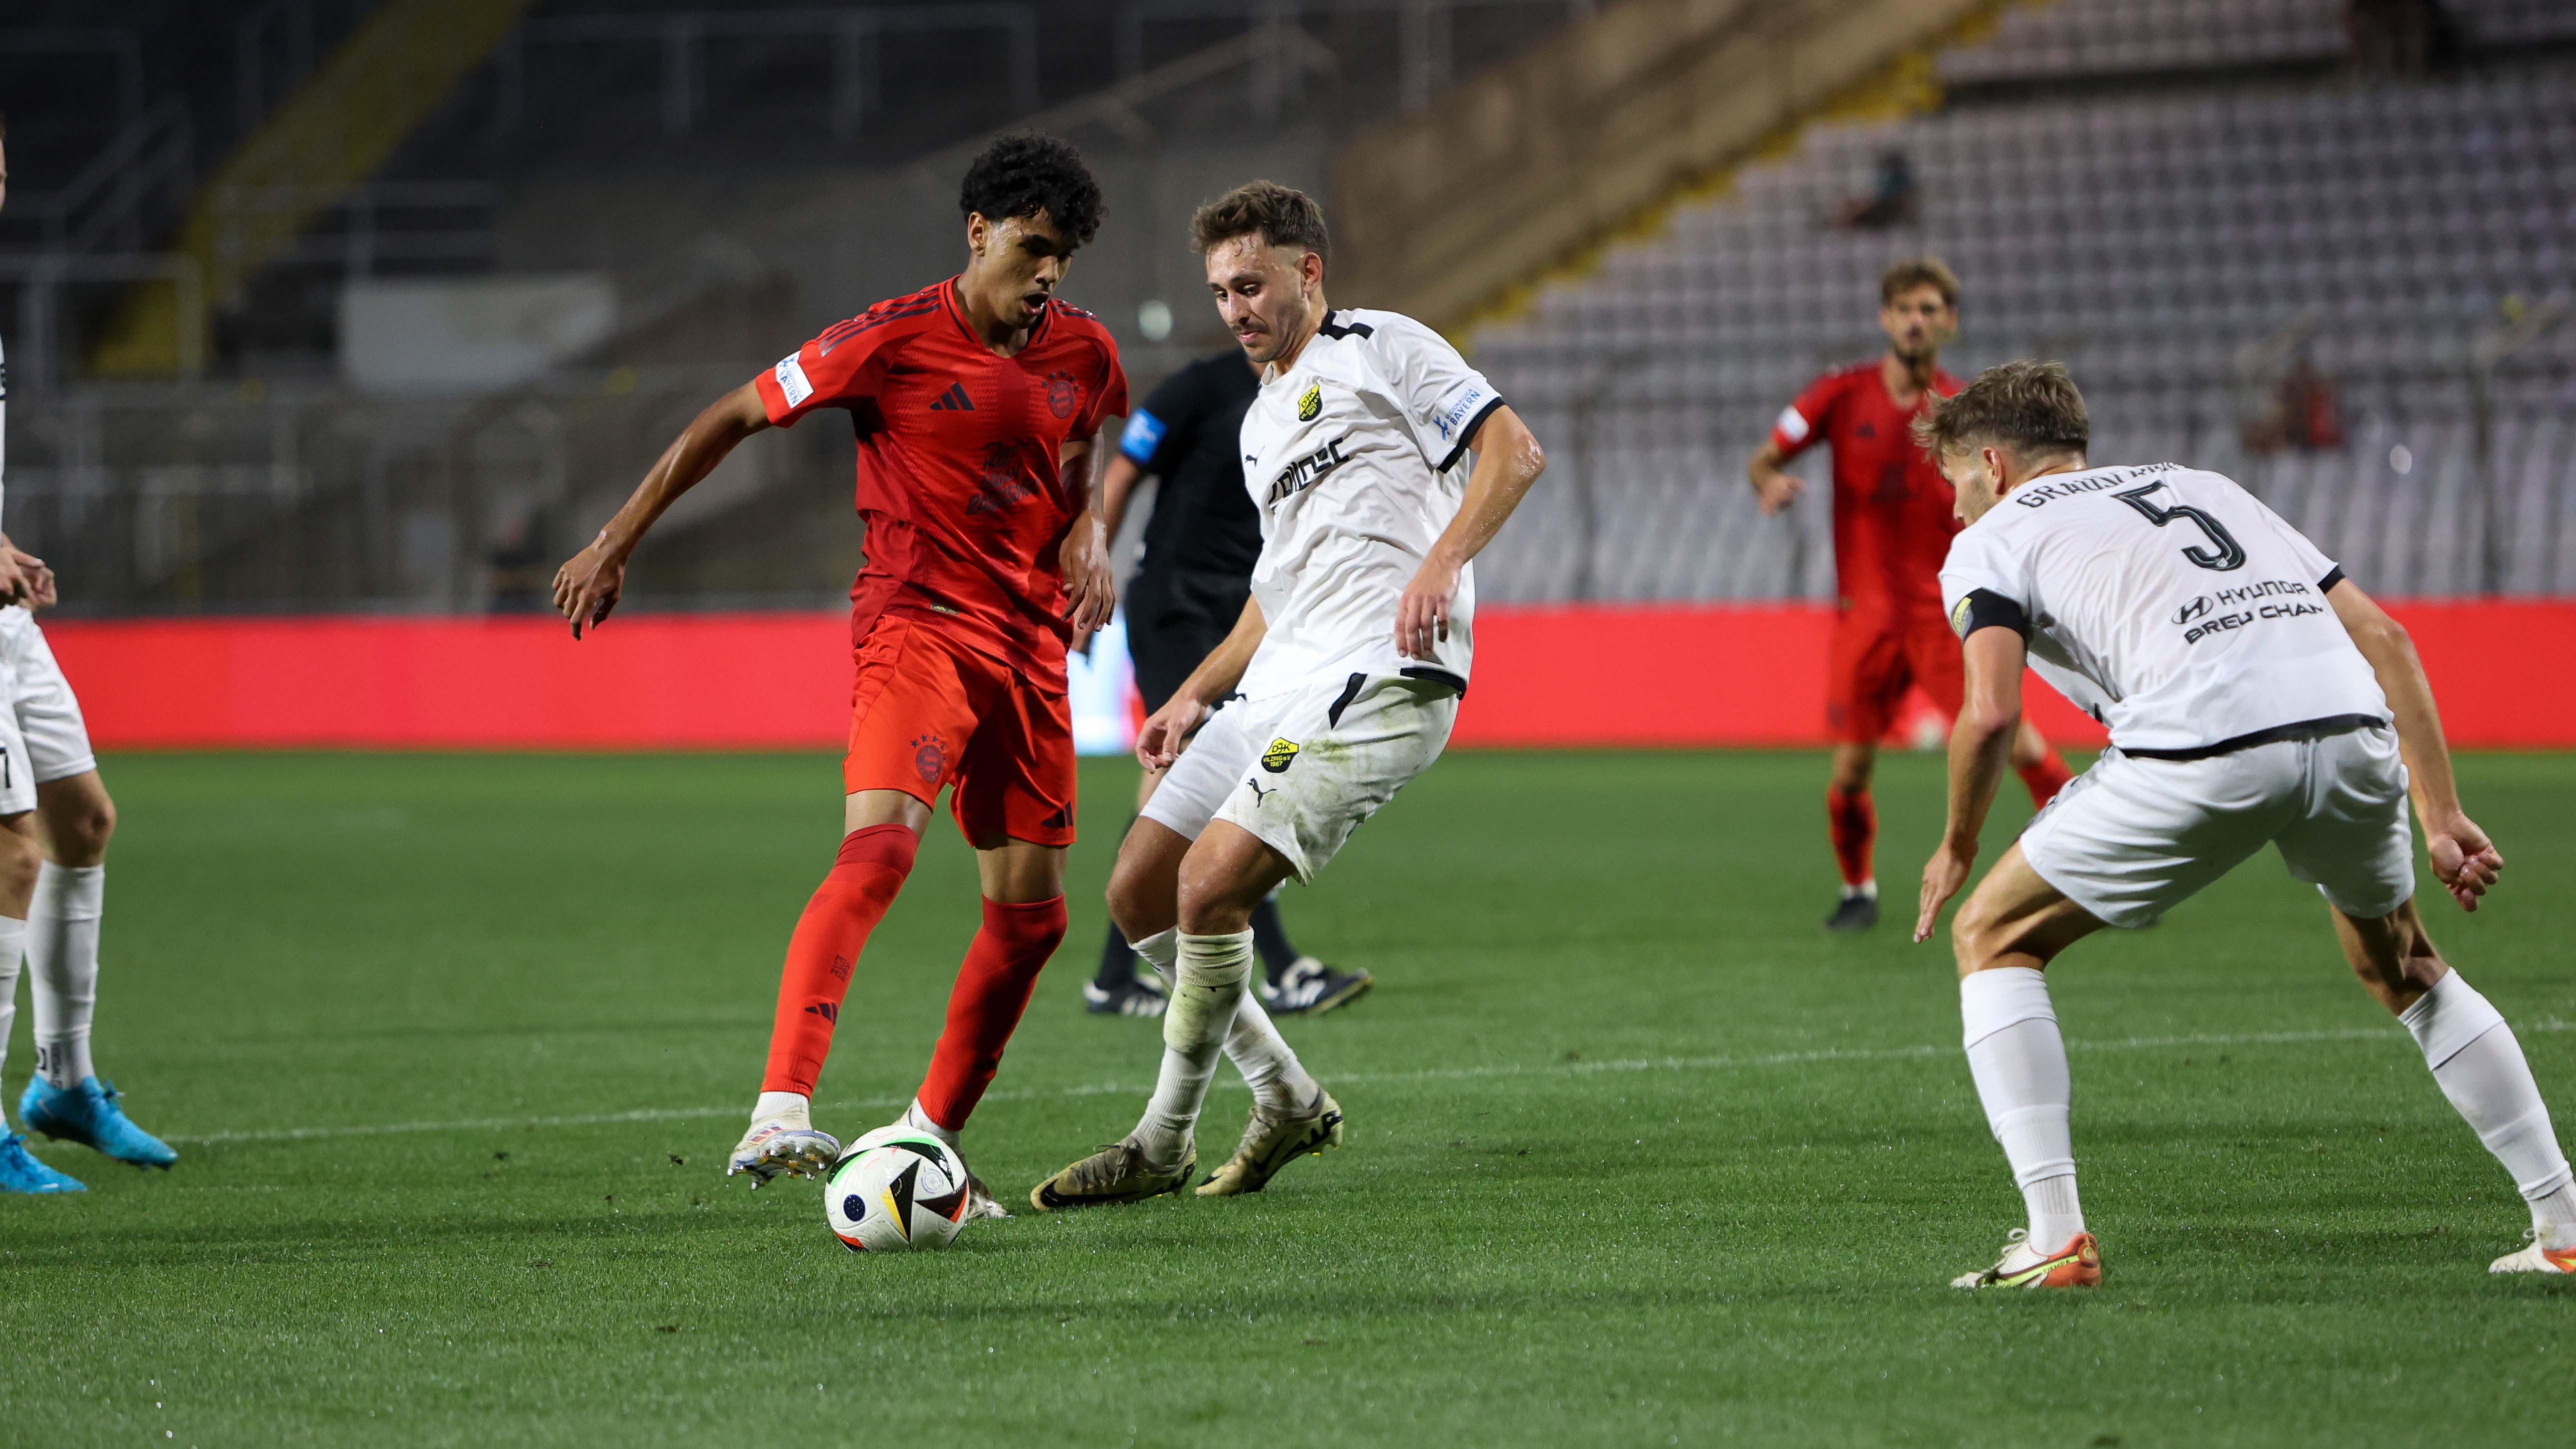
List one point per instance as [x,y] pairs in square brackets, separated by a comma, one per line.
[1875,660]
[929,711]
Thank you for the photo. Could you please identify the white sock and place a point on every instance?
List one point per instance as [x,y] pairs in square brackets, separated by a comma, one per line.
[1212,976]
[2480,1067]
[1866,891]
[62,952]
[13,943]
[1278,1080]
[919,1121]
[2019,1062]
[793,1108]
[1160,951]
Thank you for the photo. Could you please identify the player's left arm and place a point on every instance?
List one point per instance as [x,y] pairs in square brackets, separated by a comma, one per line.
[1508,461]
[1090,588]
[2464,859]
[1980,747]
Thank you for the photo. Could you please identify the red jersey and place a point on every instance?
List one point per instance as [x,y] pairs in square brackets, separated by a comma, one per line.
[957,474]
[1892,508]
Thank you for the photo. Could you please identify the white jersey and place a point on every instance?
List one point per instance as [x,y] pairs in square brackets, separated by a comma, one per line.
[2168,603]
[1356,460]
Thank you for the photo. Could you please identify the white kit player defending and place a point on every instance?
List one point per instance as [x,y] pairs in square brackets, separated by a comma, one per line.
[2254,697]
[1337,687]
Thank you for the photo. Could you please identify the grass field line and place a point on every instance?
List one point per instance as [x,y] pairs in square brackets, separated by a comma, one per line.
[1430,1074]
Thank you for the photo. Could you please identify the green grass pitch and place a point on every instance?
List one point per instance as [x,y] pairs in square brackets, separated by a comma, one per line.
[453,1047]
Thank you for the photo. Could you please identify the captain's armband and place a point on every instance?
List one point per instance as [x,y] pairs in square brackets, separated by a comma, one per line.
[1984,608]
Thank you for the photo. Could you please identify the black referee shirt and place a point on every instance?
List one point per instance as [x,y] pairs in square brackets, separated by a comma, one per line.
[1186,435]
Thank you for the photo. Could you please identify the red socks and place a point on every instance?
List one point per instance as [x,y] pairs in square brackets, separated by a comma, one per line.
[984,1008]
[829,936]
[2046,777]
[1854,823]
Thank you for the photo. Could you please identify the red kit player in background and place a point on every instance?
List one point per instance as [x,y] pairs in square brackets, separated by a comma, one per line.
[978,403]
[1892,528]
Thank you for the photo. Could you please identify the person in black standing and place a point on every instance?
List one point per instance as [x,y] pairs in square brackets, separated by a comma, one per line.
[1200,545]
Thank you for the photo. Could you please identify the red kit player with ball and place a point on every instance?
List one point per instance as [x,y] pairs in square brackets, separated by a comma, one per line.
[978,403]
[1892,528]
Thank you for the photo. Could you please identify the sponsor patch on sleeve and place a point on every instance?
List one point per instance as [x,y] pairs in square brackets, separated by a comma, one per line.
[791,380]
[1460,409]
[1142,435]
[1791,426]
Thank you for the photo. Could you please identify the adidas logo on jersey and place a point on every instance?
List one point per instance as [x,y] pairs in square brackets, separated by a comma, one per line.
[954,400]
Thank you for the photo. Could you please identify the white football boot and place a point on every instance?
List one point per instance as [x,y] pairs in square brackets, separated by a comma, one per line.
[778,1146]
[2536,1259]
[2075,1264]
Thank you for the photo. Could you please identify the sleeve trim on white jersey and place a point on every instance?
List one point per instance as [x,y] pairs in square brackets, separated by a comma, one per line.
[2333,577]
[1468,432]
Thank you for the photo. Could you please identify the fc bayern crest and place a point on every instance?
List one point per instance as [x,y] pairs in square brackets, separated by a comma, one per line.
[929,758]
[1063,394]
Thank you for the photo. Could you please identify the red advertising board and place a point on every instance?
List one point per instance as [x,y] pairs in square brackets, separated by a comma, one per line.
[1562,676]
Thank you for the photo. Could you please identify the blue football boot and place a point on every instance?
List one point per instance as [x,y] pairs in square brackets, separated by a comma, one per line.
[21,1172]
[88,1114]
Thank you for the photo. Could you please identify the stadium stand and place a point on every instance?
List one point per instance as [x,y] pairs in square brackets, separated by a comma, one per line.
[716,168]
[2193,203]
[2186,242]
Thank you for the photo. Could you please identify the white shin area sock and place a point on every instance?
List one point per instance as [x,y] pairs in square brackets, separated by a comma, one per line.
[1278,1080]
[1256,1048]
[1211,976]
[2019,1063]
[62,956]
[13,942]
[919,1121]
[1161,951]
[2479,1066]
[793,1108]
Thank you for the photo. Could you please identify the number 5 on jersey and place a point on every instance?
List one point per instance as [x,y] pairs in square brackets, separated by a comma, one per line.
[2226,555]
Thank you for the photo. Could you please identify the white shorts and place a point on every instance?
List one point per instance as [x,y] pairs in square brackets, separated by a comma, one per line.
[2131,839]
[1301,770]
[42,737]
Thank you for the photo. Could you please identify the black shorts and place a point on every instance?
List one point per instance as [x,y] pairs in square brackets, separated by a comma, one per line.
[1175,620]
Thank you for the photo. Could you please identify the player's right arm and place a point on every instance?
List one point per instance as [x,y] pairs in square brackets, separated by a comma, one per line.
[1159,743]
[587,587]
[1991,655]
[2464,860]
[1799,425]
[1774,487]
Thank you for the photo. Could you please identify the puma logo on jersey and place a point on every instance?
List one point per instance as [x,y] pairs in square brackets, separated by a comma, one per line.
[1305,472]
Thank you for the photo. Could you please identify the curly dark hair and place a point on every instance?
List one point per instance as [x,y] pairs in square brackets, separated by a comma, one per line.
[1026,175]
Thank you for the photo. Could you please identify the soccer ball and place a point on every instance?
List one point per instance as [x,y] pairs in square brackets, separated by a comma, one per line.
[896,1190]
